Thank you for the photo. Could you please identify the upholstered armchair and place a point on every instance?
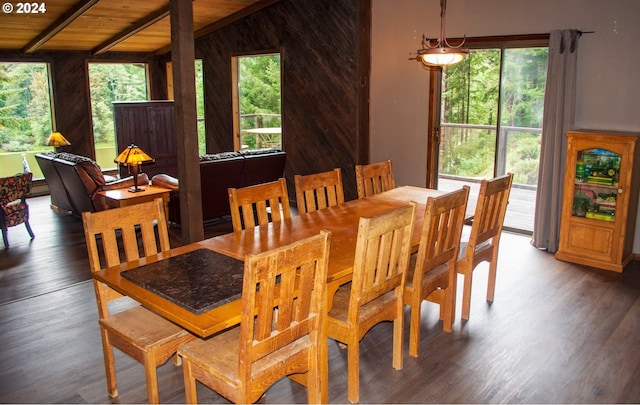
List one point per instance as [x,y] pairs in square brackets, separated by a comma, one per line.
[13,203]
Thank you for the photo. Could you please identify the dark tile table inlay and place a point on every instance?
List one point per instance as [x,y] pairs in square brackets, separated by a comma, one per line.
[198,281]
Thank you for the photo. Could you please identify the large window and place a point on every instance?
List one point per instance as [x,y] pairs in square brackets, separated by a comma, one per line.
[257,107]
[111,82]
[491,122]
[492,114]
[25,115]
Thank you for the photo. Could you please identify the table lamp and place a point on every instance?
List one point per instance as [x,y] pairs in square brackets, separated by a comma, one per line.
[134,157]
[56,140]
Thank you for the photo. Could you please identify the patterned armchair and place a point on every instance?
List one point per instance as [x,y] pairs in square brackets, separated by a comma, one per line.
[13,204]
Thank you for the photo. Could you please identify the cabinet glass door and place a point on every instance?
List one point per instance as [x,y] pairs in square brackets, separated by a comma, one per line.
[596,184]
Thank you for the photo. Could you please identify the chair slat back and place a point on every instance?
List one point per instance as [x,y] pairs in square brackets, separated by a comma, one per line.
[382,256]
[284,298]
[441,231]
[490,210]
[319,190]
[260,204]
[374,178]
[121,235]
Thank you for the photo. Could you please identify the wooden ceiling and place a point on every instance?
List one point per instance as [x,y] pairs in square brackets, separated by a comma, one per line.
[102,26]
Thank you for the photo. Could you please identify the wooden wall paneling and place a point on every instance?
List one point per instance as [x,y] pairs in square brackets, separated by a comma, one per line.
[217,94]
[319,42]
[72,102]
[158,78]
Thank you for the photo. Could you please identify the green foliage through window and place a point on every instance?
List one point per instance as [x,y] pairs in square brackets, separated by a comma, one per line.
[492,106]
[259,93]
[25,115]
[109,82]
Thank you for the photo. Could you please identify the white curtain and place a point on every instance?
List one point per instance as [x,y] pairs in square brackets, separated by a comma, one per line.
[558,118]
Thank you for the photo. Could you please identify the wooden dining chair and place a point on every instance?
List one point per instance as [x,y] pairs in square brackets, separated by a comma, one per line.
[374,178]
[282,330]
[432,273]
[375,293]
[140,333]
[259,204]
[484,239]
[319,190]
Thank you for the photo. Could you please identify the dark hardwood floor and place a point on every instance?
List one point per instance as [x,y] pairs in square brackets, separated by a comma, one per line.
[556,333]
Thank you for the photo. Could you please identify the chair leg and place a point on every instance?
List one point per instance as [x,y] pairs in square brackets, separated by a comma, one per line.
[26,223]
[449,308]
[398,336]
[450,297]
[353,371]
[313,379]
[466,294]
[5,238]
[414,328]
[323,367]
[190,393]
[109,365]
[152,378]
[491,284]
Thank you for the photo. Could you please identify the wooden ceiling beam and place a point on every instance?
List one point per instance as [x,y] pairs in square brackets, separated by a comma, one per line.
[140,25]
[67,18]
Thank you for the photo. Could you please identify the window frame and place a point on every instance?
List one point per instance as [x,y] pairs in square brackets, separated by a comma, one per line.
[235,95]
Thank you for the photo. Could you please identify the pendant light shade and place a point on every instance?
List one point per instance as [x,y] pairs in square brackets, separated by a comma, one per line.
[440,52]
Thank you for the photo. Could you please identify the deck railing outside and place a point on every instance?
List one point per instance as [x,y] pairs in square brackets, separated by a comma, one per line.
[260,131]
[468,153]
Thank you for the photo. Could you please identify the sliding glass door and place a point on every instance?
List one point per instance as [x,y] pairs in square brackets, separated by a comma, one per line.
[490,124]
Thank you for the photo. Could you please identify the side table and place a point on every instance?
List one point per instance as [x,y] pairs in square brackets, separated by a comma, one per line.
[122,197]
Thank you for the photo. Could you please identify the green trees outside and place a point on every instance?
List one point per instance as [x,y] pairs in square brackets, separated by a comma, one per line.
[109,82]
[25,115]
[25,108]
[259,94]
[260,88]
[487,88]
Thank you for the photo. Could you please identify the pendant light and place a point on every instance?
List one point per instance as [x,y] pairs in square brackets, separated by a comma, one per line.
[440,52]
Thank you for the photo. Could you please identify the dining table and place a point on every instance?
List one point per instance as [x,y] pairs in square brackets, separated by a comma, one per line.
[198,286]
[163,282]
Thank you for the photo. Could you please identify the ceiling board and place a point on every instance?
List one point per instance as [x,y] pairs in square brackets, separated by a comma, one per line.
[110,19]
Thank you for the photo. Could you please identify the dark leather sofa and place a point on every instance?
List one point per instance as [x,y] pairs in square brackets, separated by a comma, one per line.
[74,181]
[218,172]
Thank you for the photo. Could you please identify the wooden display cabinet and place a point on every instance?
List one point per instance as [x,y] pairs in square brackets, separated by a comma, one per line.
[600,199]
